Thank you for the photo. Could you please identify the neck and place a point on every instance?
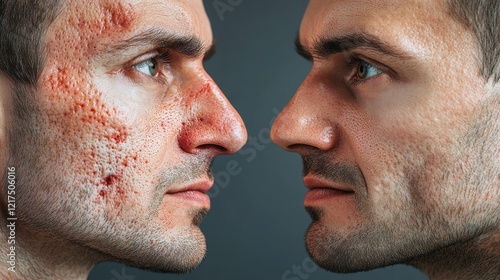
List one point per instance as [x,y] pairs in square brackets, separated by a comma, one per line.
[478,258]
[36,255]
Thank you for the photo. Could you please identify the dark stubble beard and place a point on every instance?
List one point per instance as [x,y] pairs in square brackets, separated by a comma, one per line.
[421,232]
[365,244]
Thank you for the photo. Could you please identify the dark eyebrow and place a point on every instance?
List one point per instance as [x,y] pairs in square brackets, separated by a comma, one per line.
[325,47]
[159,38]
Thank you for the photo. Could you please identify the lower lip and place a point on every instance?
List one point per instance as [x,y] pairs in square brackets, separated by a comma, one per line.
[194,196]
[320,194]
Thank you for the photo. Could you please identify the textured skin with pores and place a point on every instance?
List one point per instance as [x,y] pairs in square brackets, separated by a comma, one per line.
[65,80]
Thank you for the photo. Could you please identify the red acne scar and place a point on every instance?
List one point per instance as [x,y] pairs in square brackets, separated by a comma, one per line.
[118,15]
[102,193]
[114,192]
[58,79]
[119,137]
[196,92]
[126,161]
[111,179]
[204,89]
[112,16]
[115,16]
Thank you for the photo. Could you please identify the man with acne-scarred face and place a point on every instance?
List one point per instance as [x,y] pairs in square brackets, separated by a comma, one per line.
[398,125]
[108,128]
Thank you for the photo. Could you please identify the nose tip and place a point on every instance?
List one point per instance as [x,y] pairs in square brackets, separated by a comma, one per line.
[215,126]
[279,133]
[297,127]
[235,131]
[286,131]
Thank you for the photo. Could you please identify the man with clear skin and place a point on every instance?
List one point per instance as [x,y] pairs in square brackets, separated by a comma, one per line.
[111,129]
[398,126]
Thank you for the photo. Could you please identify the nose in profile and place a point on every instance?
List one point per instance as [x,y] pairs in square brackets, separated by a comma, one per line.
[214,127]
[304,123]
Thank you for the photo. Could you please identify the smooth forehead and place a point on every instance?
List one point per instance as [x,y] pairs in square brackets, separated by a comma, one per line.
[382,18]
[102,19]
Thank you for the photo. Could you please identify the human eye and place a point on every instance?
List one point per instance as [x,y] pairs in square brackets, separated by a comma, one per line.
[365,70]
[148,67]
[360,70]
[153,67]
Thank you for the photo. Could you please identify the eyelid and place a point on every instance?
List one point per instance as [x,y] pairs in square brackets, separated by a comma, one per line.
[163,58]
[353,59]
[383,67]
[161,55]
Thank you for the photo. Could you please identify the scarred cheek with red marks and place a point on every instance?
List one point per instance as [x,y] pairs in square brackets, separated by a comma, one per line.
[83,129]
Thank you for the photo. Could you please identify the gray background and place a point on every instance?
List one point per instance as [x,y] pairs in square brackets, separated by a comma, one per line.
[255,229]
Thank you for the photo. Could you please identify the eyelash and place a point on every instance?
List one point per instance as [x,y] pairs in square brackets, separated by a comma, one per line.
[164,57]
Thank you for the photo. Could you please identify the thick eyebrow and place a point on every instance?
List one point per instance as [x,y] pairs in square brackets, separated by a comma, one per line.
[158,38]
[325,47]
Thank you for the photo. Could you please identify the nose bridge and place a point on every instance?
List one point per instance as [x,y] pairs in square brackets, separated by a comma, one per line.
[213,122]
[307,119]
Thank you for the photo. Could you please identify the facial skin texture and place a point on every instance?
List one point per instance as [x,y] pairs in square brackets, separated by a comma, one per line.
[108,144]
[408,129]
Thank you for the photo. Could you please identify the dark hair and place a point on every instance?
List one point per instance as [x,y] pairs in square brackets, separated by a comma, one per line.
[482,17]
[22,24]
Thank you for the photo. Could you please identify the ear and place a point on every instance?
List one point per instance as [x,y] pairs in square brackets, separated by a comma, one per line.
[5,118]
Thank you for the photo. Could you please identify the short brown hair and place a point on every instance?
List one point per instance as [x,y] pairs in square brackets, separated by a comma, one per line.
[482,17]
[22,24]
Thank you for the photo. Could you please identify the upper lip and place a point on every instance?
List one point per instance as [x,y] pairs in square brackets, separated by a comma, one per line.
[200,186]
[315,182]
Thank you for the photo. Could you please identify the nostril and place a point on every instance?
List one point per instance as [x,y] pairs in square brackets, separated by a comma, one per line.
[219,148]
[293,146]
[298,147]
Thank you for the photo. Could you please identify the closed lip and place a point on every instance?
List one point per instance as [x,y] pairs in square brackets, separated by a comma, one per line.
[195,193]
[314,182]
[201,186]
